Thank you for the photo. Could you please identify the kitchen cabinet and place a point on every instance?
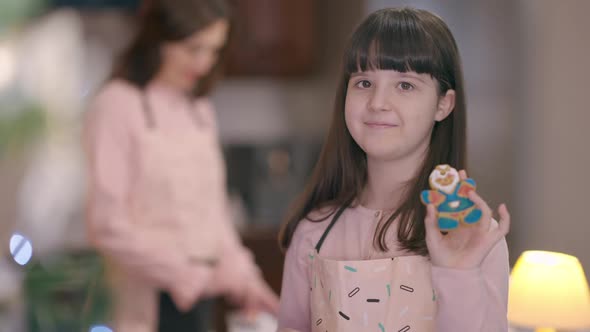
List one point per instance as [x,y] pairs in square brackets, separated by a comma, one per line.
[272,38]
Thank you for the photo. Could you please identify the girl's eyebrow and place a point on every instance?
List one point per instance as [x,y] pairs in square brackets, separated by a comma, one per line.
[403,75]
[412,75]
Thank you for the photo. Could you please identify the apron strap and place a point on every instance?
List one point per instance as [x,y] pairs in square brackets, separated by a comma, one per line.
[148,115]
[318,246]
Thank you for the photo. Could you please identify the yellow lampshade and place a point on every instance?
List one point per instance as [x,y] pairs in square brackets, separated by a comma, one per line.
[549,289]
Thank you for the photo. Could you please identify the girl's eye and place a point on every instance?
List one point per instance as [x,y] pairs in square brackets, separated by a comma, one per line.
[405,86]
[363,84]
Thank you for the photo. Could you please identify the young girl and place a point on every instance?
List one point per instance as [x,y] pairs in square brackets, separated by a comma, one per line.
[157,201]
[363,253]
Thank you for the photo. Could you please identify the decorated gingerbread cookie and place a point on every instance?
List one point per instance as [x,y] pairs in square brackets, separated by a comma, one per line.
[449,195]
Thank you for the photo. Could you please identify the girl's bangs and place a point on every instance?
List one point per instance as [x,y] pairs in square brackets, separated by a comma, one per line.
[393,43]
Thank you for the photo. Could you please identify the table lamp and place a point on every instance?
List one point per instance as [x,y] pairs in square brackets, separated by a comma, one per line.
[548,291]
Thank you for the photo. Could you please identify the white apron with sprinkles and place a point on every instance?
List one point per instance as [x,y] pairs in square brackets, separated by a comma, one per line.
[381,295]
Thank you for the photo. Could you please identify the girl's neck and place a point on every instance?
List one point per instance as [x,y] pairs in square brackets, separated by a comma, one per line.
[387,180]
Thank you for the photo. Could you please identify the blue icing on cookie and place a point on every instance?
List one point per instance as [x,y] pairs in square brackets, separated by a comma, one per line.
[450,196]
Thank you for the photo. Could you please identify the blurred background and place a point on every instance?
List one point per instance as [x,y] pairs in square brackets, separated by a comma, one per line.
[526,70]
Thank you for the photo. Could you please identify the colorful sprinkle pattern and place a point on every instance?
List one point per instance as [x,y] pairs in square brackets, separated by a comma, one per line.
[383,293]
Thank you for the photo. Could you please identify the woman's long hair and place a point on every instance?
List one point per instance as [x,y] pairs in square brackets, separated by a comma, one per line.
[164,21]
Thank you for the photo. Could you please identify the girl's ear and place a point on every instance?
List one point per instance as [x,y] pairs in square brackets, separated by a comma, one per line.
[446,104]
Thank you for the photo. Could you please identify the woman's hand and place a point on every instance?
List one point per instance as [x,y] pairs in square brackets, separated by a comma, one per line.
[468,245]
[257,297]
[190,282]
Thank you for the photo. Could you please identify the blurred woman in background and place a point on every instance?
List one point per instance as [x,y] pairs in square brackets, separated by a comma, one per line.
[157,206]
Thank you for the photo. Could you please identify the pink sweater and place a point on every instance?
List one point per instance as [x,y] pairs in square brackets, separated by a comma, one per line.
[114,124]
[468,300]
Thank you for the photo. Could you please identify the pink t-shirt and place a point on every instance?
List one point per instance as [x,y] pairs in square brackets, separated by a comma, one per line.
[468,300]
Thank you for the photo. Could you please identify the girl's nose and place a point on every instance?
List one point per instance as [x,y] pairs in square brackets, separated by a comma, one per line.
[379,101]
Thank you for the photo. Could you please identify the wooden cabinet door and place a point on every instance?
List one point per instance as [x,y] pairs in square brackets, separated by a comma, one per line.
[272,38]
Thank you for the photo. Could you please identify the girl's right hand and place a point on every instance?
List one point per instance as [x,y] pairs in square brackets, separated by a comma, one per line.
[467,246]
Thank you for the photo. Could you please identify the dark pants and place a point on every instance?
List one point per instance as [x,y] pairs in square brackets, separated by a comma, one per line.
[198,319]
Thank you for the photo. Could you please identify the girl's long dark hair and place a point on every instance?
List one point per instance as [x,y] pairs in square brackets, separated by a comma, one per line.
[404,40]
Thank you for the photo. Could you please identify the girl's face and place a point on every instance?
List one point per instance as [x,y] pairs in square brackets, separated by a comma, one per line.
[185,62]
[391,114]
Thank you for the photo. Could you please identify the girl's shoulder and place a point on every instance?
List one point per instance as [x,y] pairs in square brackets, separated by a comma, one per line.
[318,219]
[310,229]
